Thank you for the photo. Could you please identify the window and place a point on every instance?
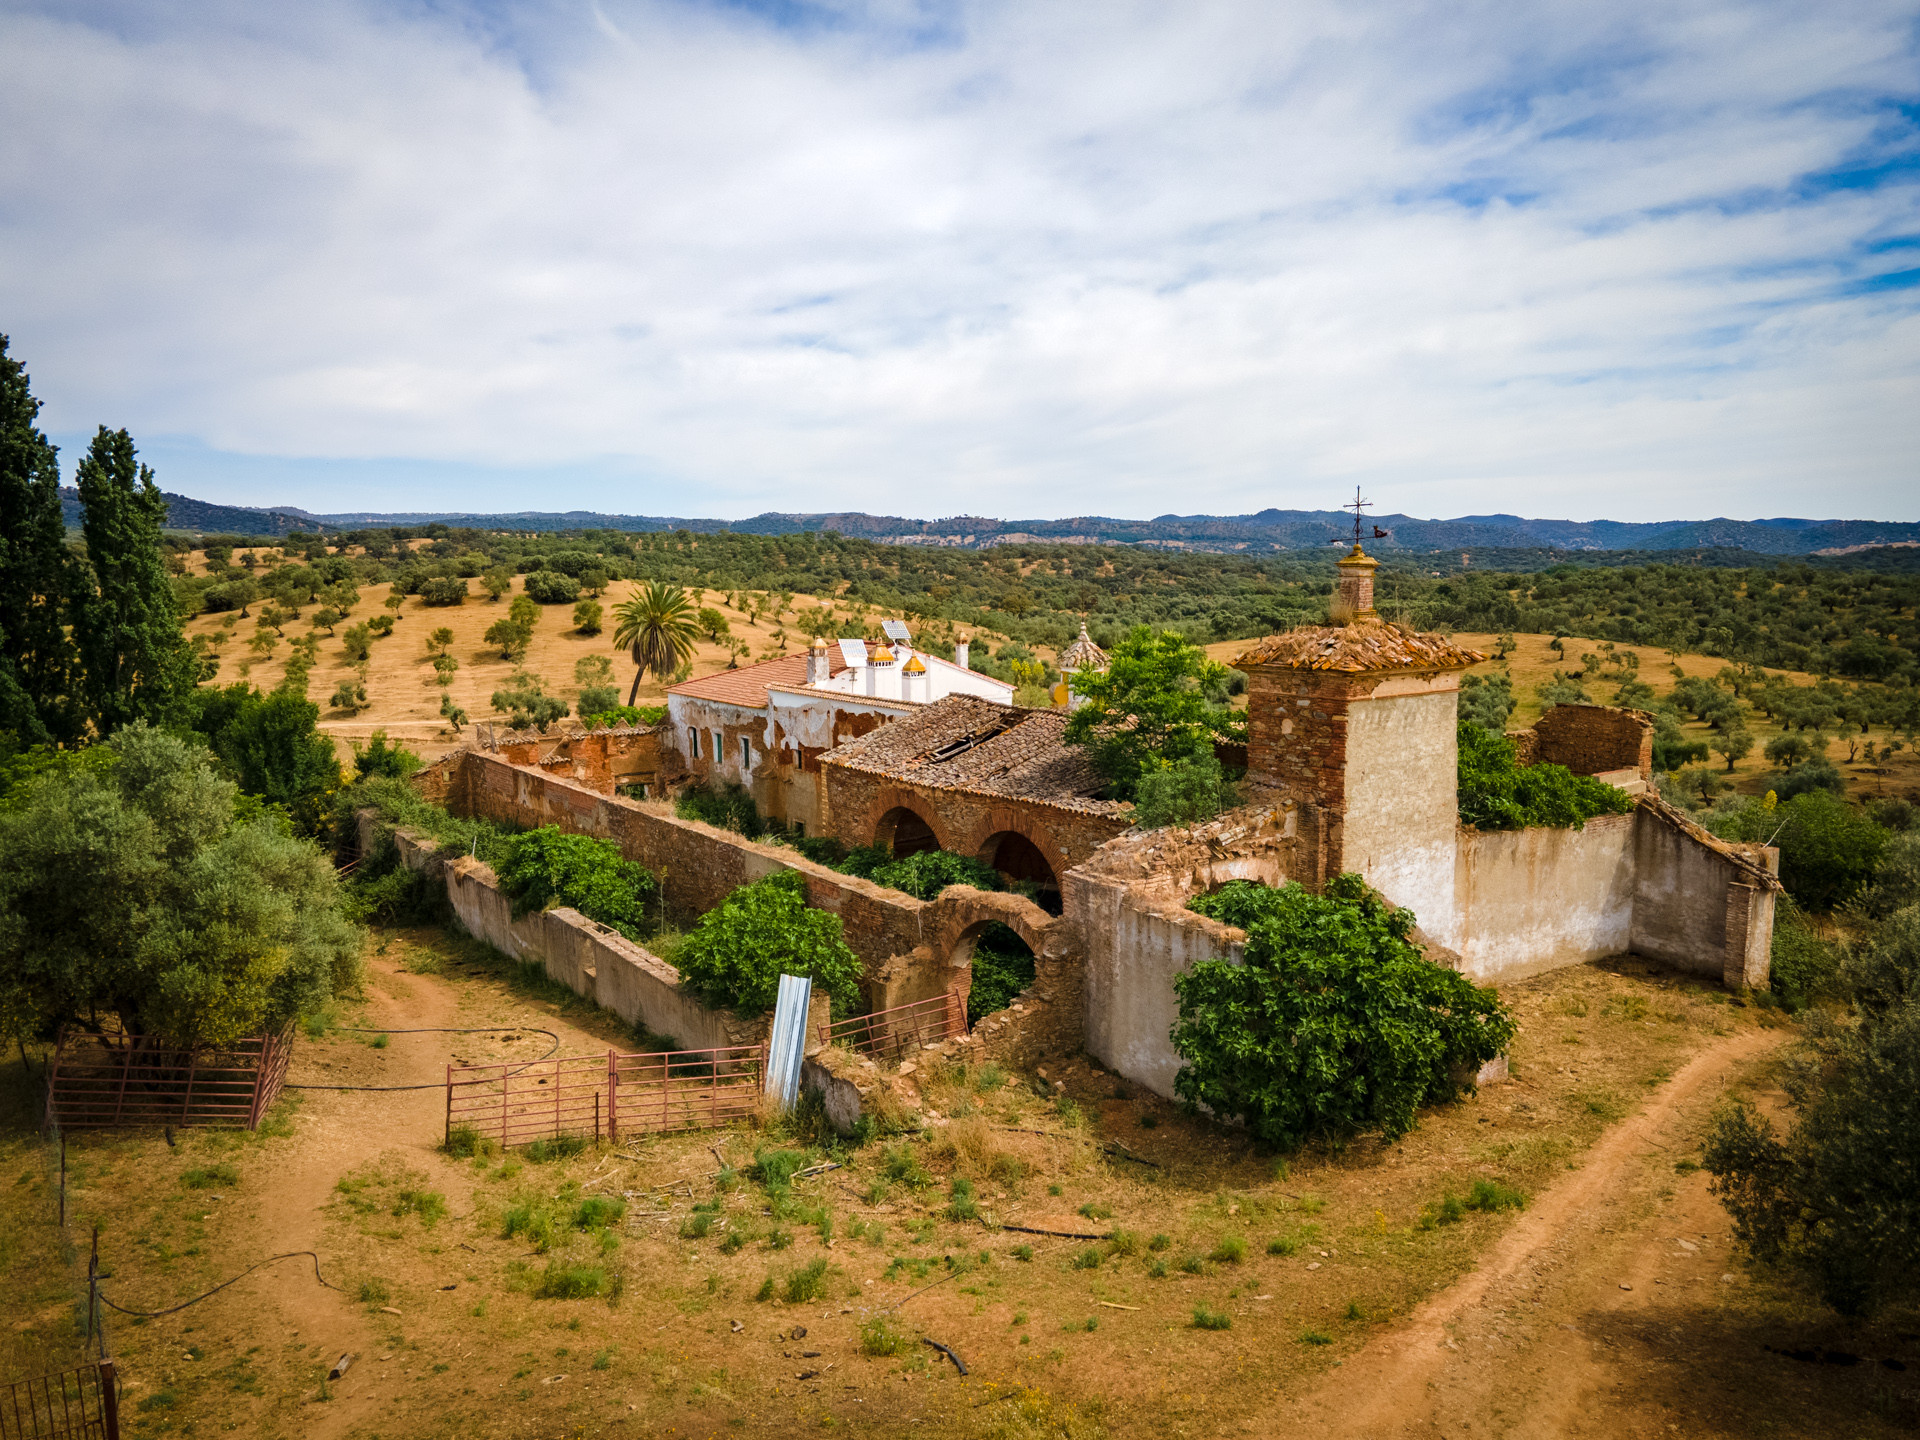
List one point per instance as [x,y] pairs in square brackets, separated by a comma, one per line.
[693,742]
[746,753]
[719,748]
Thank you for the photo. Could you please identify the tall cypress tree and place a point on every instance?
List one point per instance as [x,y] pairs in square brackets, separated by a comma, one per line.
[137,662]
[36,573]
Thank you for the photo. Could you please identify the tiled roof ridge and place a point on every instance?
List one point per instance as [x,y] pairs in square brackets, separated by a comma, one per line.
[1357,648]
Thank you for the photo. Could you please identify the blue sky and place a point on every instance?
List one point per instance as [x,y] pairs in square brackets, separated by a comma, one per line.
[1635,261]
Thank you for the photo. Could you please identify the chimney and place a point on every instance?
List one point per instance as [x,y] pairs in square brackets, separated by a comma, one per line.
[819,668]
[960,653]
[1353,599]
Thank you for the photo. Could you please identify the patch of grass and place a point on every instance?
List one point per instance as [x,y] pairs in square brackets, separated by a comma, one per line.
[1205,1319]
[1159,1243]
[375,1292]
[734,1243]
[962,1204]
[560,1147]
[463,1142]
[1230,1251]
[778,1239]
[603,1360]
[1087,1259]
[1149,1121]
[379,1042]
[1157,1269]
[879,1337]
[570,1282]
[597,1212]
[765,1292]
[1089,1324]
[1282,1245]
[900,1166]
[809,1282]
[698,1225]
[1023,1252]
[1354,1312]
[1096,1212]
[534,1221]
[1685,1165]
[1194,1265]
[1311,1204]
[1490,1196]
[1123,1242]
[1315,1337]
[429,1205]
[209,1177]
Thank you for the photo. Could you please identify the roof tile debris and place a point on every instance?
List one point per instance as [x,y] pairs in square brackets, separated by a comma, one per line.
[1363,646]
[965,743]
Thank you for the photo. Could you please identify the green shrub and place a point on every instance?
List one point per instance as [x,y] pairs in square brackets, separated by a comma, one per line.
[570,1282]
[1282,1245]
[879,1337]
[1193,1265]
[534,1221]
[1498,793]
[1315,1337]
[548,867]
[375,1292]
[1023,1252]
[1230,1251]
[736,954]
[1334,1024]
[1087,1259]
[1829,850]
[597,1212]
[550,587]
[463,1142]
[1205,1319]
[1094,1211]
[726,807]
[774,1170]
[1490,1196]
[962,1204]
[1003,968]
[208,1177]
[1183,792]
[926,873]
[809,1282]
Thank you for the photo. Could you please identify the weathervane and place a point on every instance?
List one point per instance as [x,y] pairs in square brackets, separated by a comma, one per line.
[1357,505]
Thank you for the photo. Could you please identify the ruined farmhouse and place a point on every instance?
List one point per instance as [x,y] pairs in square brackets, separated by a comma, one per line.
[1351,766]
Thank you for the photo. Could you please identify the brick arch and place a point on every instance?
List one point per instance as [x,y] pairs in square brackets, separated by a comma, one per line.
[880,825]
[1004,820]
[960,913]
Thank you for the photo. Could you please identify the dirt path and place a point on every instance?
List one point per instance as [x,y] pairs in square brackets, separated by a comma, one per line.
[1543,1338]
[341,1130]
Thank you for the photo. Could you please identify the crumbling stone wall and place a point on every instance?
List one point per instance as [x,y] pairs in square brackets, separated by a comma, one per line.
[1594,740]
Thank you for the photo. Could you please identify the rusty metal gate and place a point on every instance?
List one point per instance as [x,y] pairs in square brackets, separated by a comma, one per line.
[605,1097]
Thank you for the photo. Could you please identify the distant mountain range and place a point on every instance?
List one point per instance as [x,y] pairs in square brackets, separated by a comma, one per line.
[1267,531]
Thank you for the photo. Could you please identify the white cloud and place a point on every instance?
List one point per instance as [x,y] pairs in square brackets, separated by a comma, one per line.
[1025,259]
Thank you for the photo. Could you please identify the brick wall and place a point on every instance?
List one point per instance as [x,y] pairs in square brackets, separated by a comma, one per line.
[1297,734]
[1594,740]
[858,801]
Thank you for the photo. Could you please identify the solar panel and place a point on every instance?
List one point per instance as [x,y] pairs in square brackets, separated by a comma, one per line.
[896,631]
[854,652]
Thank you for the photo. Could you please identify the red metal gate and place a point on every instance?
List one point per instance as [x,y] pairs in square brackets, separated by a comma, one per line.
[903,1028]
[97,1081]
[518,1102]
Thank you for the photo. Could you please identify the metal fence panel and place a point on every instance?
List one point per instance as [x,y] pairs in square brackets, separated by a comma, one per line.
[892,1032]
[79,1404]
[97,1082]
[519,1102]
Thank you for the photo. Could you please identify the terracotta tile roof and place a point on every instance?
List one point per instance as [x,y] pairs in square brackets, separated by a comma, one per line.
[966,743]
[1365,645]
[747,686]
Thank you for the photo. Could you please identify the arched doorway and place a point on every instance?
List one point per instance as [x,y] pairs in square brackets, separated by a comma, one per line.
[1025,867]
[904,833]
[1002,964]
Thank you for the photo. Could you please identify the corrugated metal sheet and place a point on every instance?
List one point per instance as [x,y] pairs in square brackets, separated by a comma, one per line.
[787,1046]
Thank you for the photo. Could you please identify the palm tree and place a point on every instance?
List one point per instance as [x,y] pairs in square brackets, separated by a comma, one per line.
[658,625]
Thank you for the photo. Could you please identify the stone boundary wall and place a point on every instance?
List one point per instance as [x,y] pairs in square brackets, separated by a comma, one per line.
[1529,901]
[1701,903]
[590,959]
[908,948]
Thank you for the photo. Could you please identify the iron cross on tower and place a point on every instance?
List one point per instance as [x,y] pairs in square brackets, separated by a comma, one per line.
[1357,505]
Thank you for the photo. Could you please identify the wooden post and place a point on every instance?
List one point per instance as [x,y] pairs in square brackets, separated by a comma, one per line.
[109,1400]
[186,1100]
[120,1101]
[447,1139]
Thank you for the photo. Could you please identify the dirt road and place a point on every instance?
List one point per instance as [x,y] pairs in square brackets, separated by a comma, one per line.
[1586,1318]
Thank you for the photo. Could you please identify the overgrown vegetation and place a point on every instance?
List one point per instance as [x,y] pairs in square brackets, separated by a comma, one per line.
[735,956]
[546,867]
[1334,1025]
[1499,793]
[1150,709]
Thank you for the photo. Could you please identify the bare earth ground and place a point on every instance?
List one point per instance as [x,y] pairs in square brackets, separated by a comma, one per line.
[1070,1338]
